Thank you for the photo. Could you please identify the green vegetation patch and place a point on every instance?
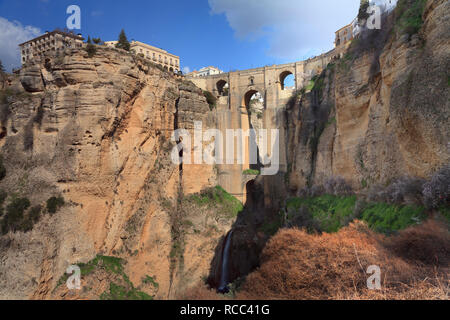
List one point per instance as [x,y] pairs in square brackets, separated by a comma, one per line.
[217,198]
[445,212]
[2,169]
[271,227]
[333,212]
[150,280]
[117,292]
[251,172]
[18,216]
[311,84]
[211,99]
[14,219]
[54,203]
[330,211]
[386,218]
[409,16]
[112,265]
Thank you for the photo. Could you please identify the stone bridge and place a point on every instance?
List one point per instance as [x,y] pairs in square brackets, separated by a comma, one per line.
[234,91]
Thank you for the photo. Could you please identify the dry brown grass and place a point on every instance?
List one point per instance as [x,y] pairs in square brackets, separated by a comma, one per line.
[297,265]
[200,292]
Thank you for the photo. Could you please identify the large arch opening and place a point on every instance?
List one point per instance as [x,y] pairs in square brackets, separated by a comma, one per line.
[252,117]
[287,80]
[223,88]
[253,98]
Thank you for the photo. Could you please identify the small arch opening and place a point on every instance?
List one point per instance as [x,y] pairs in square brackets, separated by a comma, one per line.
[223,88]
[287,80]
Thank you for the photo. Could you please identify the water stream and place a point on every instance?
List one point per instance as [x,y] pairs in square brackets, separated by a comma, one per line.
[224,272]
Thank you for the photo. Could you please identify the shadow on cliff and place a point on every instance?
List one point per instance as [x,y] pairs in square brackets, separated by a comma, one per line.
[251,231]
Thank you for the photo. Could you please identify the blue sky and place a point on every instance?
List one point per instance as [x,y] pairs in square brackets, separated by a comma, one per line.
[229,34]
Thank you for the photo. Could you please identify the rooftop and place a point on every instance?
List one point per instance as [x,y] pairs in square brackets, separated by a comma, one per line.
[56,31]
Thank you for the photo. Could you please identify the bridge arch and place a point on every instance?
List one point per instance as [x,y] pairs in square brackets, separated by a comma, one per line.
[251,93]
[284,77]
[222,87]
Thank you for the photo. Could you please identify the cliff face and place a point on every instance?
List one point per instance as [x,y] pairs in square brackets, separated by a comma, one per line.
[388,111]
[97,131]
[379,113]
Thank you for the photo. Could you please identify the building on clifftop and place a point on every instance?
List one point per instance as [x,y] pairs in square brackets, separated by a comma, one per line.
[50,42]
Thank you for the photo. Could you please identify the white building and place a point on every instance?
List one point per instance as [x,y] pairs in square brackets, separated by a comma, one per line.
[159,56]
[206,71]
[50,42]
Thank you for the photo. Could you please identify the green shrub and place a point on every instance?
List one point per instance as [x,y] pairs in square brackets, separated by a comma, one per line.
[90,48]
[54,203]
[362,14]
[117,293]
[330,211]
[409,16]
[3,196]
[2,169]
[333,213]
[386,218]
[97,41]
[251,172]
[150,280]
[272,226]
[123,41]
[14,217]
[113,265]
[217,198]
[445,212]
[34,214]
[211,99]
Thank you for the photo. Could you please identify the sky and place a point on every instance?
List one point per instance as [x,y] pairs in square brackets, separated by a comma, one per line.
[229,34]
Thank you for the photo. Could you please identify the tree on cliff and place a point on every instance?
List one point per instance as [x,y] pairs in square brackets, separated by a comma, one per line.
[123,41]
[97,40]
[2,74]
[90,48]
[362,14]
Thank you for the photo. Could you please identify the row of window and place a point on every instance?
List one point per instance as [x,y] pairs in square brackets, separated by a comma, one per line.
[26,53]
[170,61]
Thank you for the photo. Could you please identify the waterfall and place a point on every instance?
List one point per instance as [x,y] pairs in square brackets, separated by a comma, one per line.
[224,274]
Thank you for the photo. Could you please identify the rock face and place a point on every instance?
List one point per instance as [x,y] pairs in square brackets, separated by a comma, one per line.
[382,122]
[372,116]
[98,131]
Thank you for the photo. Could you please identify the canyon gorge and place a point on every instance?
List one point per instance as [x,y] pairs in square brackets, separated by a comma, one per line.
[96,132]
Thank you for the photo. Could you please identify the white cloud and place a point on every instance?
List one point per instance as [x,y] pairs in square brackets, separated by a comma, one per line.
[186,70]
[294,28]
[12,34]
